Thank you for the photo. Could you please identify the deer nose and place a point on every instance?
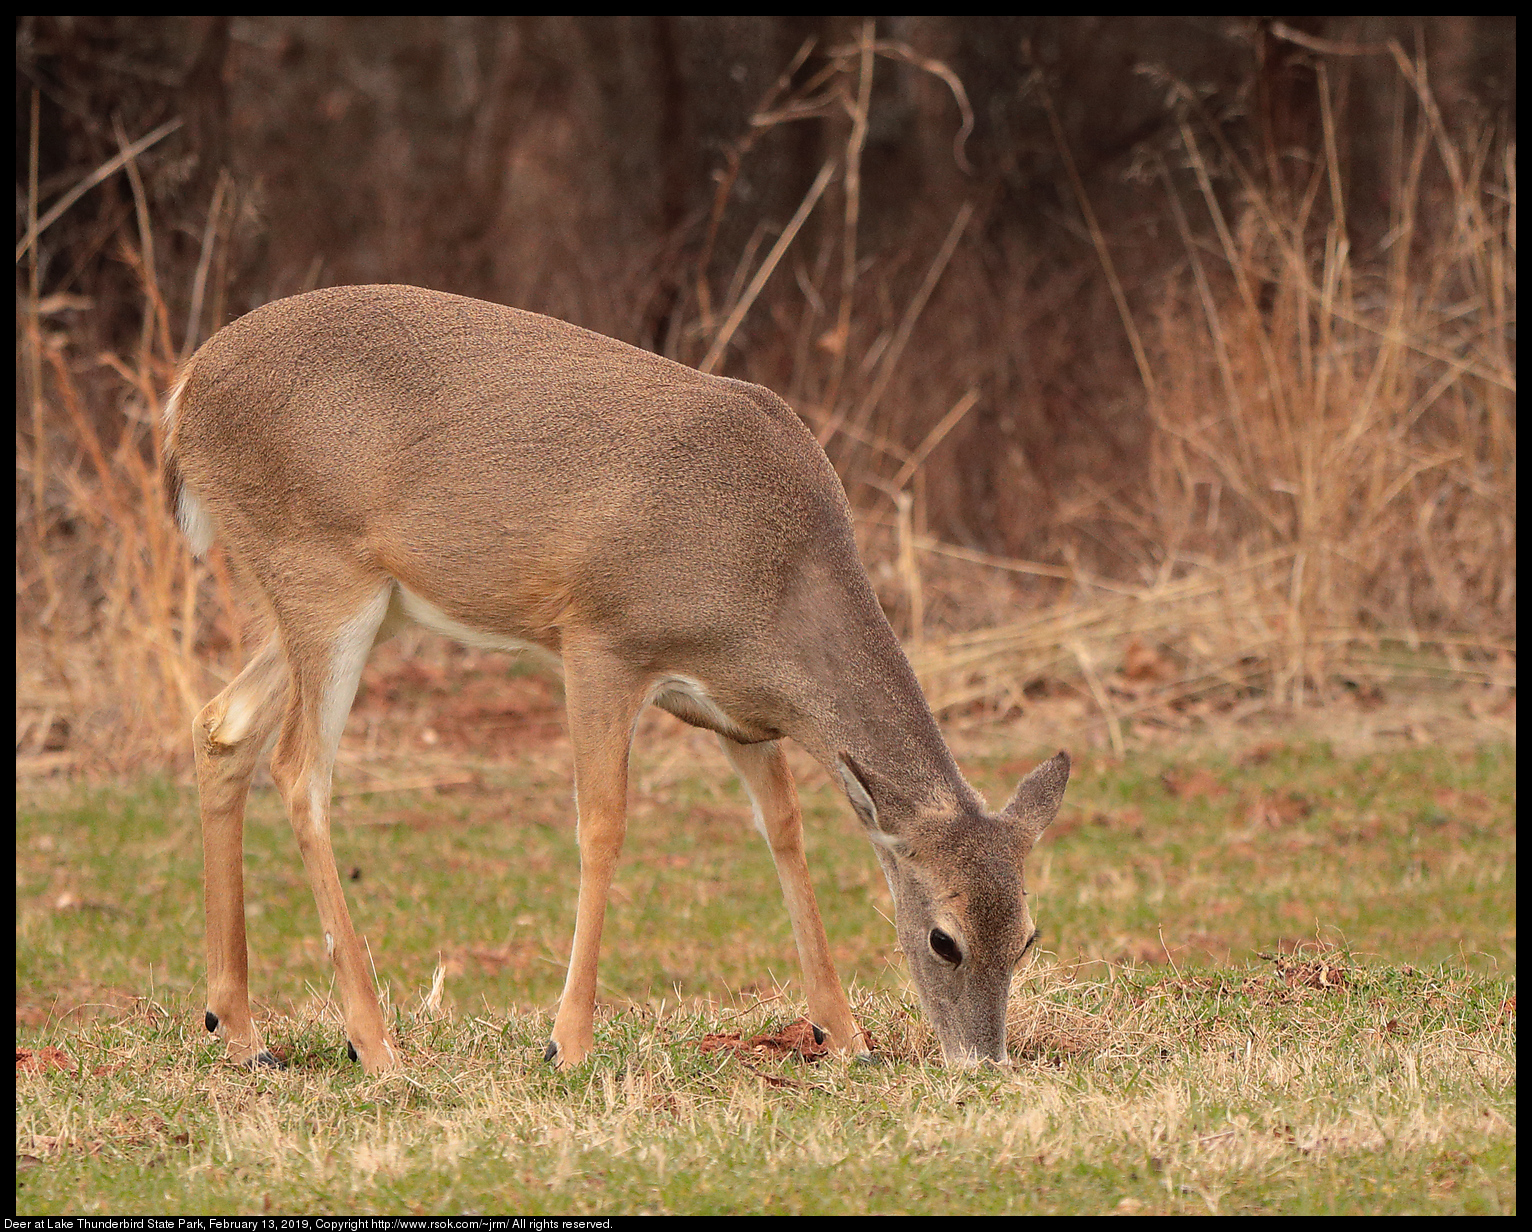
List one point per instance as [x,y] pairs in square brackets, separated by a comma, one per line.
[973,1058]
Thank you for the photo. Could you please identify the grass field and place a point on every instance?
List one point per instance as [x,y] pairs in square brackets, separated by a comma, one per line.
[1281,979]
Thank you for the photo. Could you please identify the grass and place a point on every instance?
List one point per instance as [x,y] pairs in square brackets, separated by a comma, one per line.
[1281,980]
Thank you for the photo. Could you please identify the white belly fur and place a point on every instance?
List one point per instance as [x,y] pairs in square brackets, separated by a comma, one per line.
[405,606]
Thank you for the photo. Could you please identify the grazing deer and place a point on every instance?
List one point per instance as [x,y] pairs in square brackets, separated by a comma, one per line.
[380,454]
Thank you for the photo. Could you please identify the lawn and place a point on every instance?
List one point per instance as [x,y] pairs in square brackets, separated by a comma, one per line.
[1274,980]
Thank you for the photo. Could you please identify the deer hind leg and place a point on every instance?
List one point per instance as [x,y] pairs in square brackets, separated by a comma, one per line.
[228,736]
[603,698]
[325,668]
[763,768]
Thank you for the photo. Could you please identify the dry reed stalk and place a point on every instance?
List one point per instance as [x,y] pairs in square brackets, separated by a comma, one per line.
[156,317]
[1113,723]
[758,283]
[909,570]
[1332,428]
[935,437]
[1098,239]
[36,226]
[913,309]
[33,325]
[131,585]
[204,258]
[839,342]
[742,266]
[761,121]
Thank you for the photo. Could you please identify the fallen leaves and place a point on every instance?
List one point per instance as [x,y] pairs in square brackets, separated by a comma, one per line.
[1277,810]
[1147,663]
[801,1038]
[46,1059]
[1318,971]
[41,1060]
[1198,784]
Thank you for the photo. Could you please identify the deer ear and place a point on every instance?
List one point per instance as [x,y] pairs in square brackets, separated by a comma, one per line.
[854,780]
[858,785]
[1037,800]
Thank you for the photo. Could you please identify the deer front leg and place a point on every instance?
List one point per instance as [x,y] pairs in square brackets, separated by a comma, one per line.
[602,698]
[763,767]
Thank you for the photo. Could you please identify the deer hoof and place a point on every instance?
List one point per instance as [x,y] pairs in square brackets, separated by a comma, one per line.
[212,1022]
[551,1052]
[351,1050]
[265,1060]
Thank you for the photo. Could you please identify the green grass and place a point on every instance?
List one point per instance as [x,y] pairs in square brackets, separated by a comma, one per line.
[1161,1064]
[1408,856]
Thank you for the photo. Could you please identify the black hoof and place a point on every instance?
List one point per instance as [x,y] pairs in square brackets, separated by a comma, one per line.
[819,1036]
[551,1051]
[265,1060]
[350,1050]
[212,1022]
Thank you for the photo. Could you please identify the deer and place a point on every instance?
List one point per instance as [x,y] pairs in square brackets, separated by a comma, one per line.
[376,456]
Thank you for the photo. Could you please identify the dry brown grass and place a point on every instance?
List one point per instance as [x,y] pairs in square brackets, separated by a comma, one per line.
[113,616]
[1158,1094]
[1355,425]
[1331,462]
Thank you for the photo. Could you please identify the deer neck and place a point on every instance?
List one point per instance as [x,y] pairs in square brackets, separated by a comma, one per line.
[864,701]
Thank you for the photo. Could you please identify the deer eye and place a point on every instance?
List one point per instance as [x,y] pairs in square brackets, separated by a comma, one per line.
[945,948]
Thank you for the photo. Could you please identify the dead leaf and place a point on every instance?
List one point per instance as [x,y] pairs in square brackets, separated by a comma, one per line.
[1317,972]
[801,1037]
[1130,818]
[41,1060]
[1260,754]
[1148,663]
[1277,811]
[1200,782]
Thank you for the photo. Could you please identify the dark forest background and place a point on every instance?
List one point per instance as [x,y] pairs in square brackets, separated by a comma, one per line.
[1110,299]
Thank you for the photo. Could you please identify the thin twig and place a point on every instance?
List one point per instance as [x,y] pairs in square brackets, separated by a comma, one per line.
[935,436]
[841,339]
[720,343]
[199,282]
[1328,47]
[90,181]
[1104,254]
[900,51]
[906,326]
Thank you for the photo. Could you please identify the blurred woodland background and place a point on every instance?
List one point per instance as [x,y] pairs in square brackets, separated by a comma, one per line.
[1169,363]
